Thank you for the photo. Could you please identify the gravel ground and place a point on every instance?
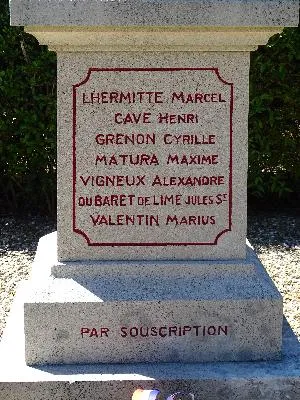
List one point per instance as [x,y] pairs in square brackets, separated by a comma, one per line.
[18,242]
[275,237]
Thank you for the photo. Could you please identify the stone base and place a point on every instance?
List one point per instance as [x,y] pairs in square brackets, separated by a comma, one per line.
[199,311]
[272,380]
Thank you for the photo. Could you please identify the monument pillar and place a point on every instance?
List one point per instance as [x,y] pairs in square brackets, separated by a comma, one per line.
[152,185]
[190,139]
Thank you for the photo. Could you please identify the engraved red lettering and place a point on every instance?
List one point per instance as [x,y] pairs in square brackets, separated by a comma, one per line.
[198,97]
[173,330]
[186,329]
[222,329]
[211,330]
[144,331]
[132,118]
[95,220]
[123,331]
[81,201]
[197,329]
[153,331]
[93,332]
[104,332]
[84,331]
[133,332]
[85,180]
[160,331]
[176,96]
[117,118]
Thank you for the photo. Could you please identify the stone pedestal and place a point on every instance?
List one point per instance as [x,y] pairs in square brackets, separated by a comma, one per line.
[110,312]
[150,263]
[260,380]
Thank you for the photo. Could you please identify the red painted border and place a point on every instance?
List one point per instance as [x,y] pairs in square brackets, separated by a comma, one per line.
[79,231]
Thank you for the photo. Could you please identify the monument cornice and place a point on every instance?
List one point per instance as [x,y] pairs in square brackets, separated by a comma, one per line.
[132,39]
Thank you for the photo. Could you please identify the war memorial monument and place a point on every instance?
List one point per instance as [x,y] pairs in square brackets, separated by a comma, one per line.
[149,281]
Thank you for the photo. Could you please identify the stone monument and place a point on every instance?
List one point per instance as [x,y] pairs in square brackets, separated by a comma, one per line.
[150,263]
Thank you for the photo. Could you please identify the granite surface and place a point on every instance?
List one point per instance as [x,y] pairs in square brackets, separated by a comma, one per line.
[198,311]
[158,12]
[252,298]
[264,380]
[144,213]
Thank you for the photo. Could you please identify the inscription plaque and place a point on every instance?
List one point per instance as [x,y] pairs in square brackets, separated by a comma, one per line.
[152,154]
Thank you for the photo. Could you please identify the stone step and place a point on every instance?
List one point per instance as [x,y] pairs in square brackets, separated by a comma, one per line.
[272,380]
[200,311]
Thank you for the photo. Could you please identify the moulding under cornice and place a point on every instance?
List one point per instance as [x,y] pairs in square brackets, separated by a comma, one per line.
[117,39]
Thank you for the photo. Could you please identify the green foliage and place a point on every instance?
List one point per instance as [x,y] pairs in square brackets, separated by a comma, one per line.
[274,120]
[27,121]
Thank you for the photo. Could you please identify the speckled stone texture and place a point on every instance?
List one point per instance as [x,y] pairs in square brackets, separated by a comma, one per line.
[96,231]
[272,380]
[159,12]
[106,300]
[198,311]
